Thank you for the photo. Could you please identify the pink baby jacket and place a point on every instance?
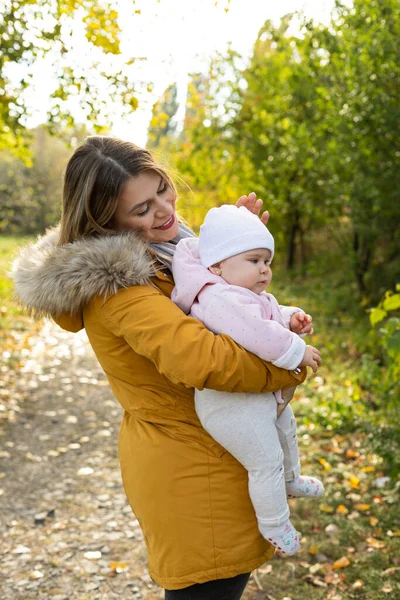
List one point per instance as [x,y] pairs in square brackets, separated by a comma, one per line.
[255,321]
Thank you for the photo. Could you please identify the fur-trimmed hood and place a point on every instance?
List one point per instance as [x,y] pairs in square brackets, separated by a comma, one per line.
[51,279]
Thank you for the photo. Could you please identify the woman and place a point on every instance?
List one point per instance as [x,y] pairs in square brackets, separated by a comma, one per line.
[106,269]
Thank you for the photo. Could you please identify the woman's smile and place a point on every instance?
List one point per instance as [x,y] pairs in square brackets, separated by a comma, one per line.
[168,224]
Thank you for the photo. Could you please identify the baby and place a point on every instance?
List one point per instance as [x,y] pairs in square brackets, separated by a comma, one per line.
[220,279]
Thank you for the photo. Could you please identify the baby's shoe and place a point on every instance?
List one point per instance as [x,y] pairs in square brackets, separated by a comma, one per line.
[284,537]
[304,487]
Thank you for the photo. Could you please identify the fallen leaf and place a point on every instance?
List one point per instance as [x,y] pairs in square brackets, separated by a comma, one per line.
[373,521]
[117,567]
[341,563]
[351,453]
[342,510]
[378,500]
[313,550]
[331,529]
[316,581]
[326,508]
[332,578]
[391,571]
[358,584]
[362,507]
[315,568]
[374,543]
[387,588]
[368,470]
[354,482]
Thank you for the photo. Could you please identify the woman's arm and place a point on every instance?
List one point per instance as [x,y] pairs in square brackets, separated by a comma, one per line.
[184,350]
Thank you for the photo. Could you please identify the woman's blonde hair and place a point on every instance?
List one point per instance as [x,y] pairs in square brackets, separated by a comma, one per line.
[95,176]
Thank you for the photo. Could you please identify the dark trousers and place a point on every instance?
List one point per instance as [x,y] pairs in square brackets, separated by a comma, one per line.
[219,589]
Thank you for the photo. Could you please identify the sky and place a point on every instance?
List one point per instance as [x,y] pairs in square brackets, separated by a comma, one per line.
[177,37]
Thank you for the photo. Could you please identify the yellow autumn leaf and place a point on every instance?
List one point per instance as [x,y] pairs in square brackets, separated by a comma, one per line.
[325,464]
[368,469]
[326,508]
[373,521]
[117,567]
[374,543]
[396,533]
[341,510]
[351,453]
[354,481]
[313,550]
[362,506]
[341,563]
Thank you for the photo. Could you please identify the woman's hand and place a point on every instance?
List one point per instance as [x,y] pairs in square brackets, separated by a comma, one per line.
[254,205]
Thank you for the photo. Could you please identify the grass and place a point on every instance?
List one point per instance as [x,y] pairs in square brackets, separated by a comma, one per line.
[11,315]
[15,325]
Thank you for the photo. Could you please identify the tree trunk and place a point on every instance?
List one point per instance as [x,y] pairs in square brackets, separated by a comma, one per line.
[362,259]
[292,243]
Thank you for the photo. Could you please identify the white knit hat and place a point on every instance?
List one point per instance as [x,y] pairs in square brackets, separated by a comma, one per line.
[228,231]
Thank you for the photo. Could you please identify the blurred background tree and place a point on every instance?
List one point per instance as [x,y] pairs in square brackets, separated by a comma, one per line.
[33,30]
[312,124]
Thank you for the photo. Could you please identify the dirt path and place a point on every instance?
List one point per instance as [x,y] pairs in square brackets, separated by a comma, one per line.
[67,530]
[64,515]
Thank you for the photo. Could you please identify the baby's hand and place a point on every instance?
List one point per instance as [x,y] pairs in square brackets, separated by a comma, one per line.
[311,358]
[254,205]
[301,323]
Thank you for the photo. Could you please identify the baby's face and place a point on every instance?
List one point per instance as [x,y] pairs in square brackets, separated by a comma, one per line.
[250,270]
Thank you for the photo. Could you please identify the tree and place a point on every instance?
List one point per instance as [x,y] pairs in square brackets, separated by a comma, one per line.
[360,75]
[164,123]
[30,30]
[311,123]
[30,195]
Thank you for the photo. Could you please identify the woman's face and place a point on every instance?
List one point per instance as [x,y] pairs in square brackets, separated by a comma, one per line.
[147,205]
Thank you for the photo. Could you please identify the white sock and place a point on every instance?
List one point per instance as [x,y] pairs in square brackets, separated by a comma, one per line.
[304,487]
[284,537]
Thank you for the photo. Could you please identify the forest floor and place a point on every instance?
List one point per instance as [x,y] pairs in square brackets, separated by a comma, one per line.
[67,530]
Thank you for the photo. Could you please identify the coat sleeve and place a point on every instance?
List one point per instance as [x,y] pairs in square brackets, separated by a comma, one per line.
[244,320]
[184,350]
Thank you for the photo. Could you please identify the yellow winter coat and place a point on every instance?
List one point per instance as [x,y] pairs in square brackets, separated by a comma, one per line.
[189,495]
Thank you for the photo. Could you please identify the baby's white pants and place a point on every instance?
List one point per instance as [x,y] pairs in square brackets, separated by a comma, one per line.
[247,426]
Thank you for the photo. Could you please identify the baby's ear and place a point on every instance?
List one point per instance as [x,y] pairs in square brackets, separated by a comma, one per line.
[215,269]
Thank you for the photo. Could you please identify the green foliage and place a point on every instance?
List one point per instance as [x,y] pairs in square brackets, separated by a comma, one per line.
[387,315]
[30,194]
[30,31]
[163,122]
[311,124]
[11,315]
